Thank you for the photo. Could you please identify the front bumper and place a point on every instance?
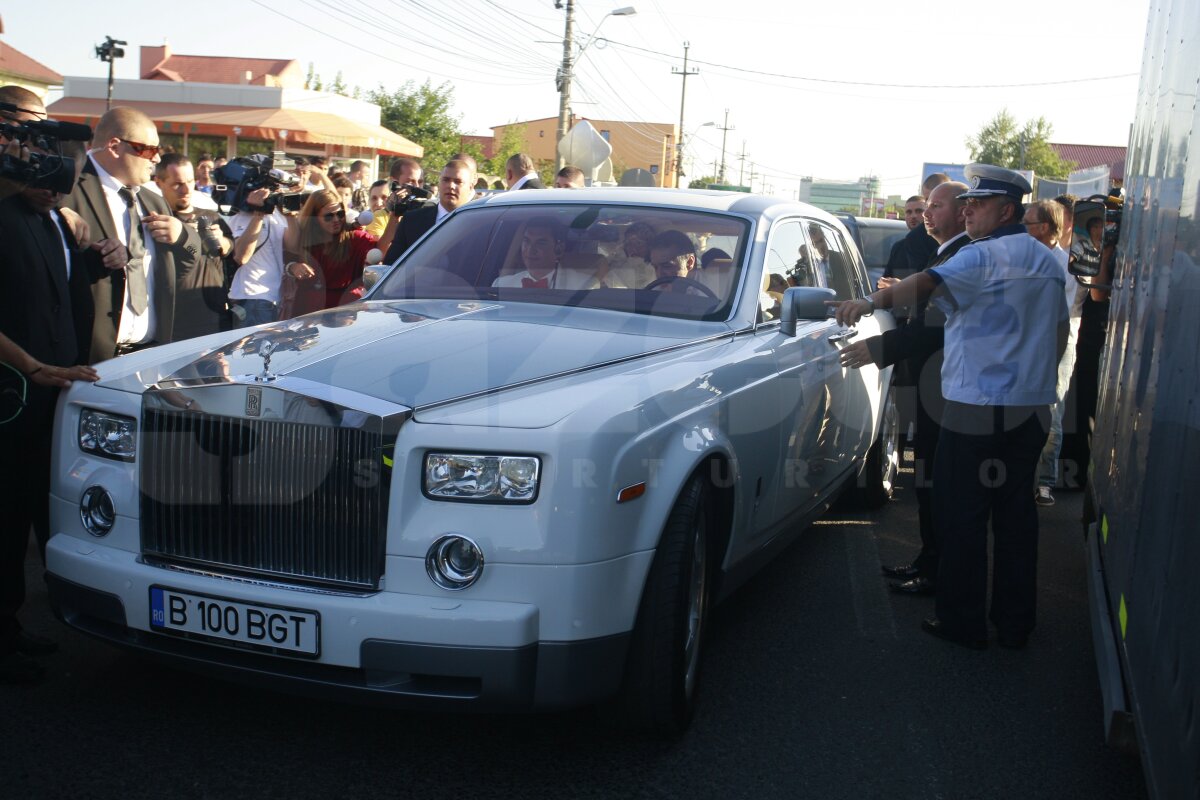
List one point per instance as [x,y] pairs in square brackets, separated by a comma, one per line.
[385,649]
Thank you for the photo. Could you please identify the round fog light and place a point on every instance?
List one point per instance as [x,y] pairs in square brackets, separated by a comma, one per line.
[454,562]
[97,511]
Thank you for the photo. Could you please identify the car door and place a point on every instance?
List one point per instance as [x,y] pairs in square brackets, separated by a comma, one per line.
[859,402]
[809,377]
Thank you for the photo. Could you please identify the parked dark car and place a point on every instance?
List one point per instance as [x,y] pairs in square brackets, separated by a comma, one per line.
[875,238]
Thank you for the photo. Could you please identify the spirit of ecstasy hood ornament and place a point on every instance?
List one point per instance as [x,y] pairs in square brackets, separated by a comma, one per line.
[265,349]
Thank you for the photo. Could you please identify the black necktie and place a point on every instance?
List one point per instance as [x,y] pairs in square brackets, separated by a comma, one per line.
[54,239]
[135,271]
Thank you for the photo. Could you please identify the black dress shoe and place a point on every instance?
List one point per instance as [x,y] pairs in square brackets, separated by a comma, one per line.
[918,587]
[30,644]
[933,626]
[904,571]
[16,668]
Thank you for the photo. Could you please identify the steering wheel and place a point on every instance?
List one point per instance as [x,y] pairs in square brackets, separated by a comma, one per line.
[688,281]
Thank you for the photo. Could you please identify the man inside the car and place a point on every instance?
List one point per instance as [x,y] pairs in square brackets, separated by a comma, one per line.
[542,246]
[673,256]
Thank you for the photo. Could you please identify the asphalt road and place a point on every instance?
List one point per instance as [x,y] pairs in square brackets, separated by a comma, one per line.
[817,683]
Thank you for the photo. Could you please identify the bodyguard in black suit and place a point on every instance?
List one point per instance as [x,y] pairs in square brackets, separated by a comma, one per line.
[45,332]
[132,266]
[919,344]
[456,186]
[521,173]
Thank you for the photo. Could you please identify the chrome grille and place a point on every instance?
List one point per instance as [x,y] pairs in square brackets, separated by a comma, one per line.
[302,502]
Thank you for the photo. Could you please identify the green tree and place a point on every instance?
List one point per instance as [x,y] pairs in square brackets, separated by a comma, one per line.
[312,80]
[423,114]
[339,86]
[1005,143]
[702,183]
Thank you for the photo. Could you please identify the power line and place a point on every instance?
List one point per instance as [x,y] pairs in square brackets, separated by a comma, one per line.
[882,85]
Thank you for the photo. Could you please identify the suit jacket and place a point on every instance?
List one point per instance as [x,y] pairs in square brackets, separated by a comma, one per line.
[413,226]
[924,335]
[42,310]
[533,183]
[108,286]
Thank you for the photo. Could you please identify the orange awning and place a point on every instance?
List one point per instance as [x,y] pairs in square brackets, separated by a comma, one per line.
[292,125]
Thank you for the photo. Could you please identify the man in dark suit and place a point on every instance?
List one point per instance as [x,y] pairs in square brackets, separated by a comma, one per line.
[920,343]
[456,186]
[521,173]
[45,332]
[139,246]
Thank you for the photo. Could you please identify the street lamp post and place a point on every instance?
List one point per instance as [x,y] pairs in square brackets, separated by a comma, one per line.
[566,71]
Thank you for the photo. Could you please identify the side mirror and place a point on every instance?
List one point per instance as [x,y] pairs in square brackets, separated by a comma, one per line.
[804,303]
[373,272]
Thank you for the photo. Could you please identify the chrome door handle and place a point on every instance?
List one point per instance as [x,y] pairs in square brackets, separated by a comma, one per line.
[843,335]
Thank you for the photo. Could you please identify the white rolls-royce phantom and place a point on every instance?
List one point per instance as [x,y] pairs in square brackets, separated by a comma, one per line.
[516,475]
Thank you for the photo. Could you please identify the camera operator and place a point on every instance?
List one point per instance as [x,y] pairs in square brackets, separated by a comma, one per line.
[201,291]
[45,333]
[259,254]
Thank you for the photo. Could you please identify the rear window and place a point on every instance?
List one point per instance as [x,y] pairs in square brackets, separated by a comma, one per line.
[877,243]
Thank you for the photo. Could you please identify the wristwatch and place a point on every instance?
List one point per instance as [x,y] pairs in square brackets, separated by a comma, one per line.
[871,302]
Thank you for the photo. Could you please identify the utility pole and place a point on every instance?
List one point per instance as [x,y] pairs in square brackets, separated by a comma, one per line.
[724,135]
[751,176]
[564,83]
[742,163]
[682,100]
[110,52]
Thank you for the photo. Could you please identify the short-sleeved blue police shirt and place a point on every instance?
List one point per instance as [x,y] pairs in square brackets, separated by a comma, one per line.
[1004,299]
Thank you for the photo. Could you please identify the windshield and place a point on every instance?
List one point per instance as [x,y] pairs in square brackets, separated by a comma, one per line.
[636,259]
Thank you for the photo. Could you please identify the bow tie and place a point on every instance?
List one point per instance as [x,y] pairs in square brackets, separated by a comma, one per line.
[540,283]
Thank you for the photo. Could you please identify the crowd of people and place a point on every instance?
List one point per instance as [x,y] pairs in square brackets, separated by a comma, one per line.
[988,312]
[138,254]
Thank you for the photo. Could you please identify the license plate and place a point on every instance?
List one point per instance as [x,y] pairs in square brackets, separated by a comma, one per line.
[275,628]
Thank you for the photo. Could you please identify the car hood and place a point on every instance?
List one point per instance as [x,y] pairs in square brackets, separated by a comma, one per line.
[415,353]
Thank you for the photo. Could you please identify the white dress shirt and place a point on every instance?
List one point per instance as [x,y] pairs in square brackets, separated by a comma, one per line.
[134,328]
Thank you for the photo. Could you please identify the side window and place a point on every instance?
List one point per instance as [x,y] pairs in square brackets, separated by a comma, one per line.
[789,262]
[832,261]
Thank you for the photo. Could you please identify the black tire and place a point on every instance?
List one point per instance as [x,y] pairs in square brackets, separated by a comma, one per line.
[662,670]
[876,483]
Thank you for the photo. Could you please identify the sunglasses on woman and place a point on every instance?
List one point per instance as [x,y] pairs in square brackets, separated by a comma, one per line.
[339,214]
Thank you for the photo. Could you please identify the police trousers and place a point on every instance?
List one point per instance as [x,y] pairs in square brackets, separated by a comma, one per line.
[984,470]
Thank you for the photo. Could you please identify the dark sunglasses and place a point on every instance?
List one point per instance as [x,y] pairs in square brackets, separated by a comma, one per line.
[143,150]
[339,214]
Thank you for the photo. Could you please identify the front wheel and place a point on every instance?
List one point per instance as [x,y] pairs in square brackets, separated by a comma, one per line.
[662,670]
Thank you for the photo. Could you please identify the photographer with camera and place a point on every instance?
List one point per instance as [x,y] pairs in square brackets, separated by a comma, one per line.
[140,246]
[45,334]
[456,186]
[329,257]
[200,294]
[260,224]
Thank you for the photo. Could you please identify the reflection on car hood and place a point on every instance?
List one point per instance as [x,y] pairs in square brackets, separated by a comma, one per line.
[415,353]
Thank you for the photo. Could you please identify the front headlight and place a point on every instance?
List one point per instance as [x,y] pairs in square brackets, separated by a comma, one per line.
[107,435]
[482,478]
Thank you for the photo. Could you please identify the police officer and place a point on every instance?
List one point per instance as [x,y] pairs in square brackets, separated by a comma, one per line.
[1006,326]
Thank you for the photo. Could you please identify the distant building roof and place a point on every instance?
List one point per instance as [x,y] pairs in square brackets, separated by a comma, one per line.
[1094,155]
[159,63]
[14,62]
[487,144]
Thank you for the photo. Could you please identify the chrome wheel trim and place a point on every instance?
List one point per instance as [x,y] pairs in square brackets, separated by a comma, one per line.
[697,606]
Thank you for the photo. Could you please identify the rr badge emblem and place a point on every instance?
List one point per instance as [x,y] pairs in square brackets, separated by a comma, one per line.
[253,402]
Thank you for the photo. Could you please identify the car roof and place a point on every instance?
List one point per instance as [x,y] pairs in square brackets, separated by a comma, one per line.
[751,205]
[875,222]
